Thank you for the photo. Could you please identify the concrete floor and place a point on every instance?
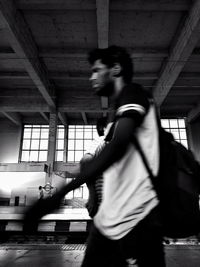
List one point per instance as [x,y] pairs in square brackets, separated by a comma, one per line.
[72,255]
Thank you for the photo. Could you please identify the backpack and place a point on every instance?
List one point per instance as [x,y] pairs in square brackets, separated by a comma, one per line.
[177,185]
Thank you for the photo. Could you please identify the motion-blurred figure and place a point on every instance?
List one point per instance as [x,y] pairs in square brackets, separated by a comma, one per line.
[127,225]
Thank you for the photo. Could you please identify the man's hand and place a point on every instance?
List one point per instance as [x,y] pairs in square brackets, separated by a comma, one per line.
[39,209]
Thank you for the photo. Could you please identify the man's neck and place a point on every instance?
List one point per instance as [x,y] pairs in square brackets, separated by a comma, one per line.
[118,86]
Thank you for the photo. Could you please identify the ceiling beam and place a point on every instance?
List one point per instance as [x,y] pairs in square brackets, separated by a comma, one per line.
[37,106]
[194,113]
[14,117]
[24,46]
[58,5]
[102,22]
[186,40]
[84,117]
[102,31]
[136,5]
[44,116]
[62,117]
[81,53]
[74,76]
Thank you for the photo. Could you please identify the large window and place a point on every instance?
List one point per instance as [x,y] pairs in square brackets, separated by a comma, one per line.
[60,143]
[79,140]
[35,143]
[177,128]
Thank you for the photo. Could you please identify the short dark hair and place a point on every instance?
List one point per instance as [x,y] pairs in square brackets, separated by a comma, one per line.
[101,125]
[111,55]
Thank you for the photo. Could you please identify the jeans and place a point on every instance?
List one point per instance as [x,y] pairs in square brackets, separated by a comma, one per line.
[144,243]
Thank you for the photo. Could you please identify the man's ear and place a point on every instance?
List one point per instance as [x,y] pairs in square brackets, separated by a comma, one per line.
[116,70]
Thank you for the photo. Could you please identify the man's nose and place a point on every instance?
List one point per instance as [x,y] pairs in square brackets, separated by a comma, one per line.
[92,77]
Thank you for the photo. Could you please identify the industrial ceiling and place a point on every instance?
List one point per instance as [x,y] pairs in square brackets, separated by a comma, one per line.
[44,46]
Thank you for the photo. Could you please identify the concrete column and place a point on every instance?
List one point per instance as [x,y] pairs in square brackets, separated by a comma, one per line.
[51,146]
[65,144]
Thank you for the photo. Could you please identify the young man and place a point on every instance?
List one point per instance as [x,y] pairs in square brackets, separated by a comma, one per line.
[127,224]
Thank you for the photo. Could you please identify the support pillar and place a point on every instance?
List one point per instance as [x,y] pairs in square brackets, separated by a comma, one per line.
[51,146]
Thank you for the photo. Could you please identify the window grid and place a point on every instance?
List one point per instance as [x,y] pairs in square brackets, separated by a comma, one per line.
[177,128]
[79,140]
[34,143]
[60,143]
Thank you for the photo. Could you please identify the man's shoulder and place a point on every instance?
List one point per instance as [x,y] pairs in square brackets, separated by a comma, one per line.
[134,93]
[134,89]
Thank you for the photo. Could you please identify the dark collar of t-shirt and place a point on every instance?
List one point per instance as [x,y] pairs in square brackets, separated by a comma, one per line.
[129,90]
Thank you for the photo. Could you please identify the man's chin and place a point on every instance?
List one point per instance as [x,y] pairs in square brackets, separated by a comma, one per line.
[103,91]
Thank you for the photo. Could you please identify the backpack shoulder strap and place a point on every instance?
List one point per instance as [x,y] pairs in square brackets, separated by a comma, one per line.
[139,149]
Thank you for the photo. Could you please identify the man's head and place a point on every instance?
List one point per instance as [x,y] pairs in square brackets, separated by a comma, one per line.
[101,126]
[107,65]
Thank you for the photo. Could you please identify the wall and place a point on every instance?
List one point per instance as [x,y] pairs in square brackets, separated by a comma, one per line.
[10,138]
[15,183]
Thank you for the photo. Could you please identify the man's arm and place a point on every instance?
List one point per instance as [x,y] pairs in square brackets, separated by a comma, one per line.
[110,154]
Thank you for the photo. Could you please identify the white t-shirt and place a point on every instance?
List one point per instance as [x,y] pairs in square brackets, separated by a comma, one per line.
[128,192]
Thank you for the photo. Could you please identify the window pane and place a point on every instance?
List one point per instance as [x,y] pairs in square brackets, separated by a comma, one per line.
[43,156]
[183,134]
[44,144]
[70,156]
[177,128]
[71,144]
[37,140]
[88,134]
[181,123]
[59,156]
[79,134]
[36,133]
[60,134]
[173,123]
[165,123]
[27,133]
[35,144]
[175,133]
[44,133]
[71,134]
[60,144]
[78,156]
[34,156]
[25,156]
[79,144]
[184,142]
[26,144]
